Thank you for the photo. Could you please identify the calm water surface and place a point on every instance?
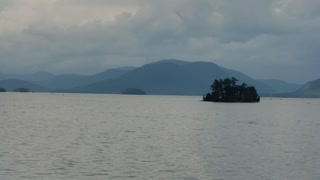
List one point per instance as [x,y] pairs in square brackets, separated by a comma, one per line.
[93,137]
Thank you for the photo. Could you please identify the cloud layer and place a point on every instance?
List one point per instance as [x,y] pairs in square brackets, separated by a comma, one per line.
[265,39]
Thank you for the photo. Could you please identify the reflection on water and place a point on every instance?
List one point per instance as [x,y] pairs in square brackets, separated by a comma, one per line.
[76,136]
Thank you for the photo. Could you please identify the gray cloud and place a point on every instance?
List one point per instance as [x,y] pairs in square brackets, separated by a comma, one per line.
[261,38]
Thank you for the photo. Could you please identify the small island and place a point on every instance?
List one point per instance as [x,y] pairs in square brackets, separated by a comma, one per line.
[227,90]
[2,89]
[134,91]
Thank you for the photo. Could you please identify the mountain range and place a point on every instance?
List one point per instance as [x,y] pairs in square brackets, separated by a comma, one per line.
[12,84]
[309,90]
[164,77]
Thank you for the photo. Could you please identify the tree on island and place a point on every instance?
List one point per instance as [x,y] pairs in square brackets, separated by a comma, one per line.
[227,90]
[2,89]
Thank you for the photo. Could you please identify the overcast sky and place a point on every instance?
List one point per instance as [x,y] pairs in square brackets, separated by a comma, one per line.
[262,38]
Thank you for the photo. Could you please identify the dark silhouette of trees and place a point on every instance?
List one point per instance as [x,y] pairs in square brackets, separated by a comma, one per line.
[227,90]
[2,89]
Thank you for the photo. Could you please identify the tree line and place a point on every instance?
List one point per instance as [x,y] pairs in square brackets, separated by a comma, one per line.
[227,90]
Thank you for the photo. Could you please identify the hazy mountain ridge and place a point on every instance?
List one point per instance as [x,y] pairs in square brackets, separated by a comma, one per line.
[174,61]
[172,77]
[62,81]
[38,76]
[309,90]
[282,86]
[152,78]
[12,84]
[167,77]
[52,82]
[68,81]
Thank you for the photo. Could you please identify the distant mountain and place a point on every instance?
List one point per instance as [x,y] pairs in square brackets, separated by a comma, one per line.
[309,90]
[108,74]
[174,61]
[167,77]
[171,77]
[281,86]
[67,81]
[62,81]
[38,76]
[159,78]
[11,84]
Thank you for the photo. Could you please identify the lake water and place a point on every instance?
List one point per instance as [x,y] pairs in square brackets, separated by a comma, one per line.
[93,137]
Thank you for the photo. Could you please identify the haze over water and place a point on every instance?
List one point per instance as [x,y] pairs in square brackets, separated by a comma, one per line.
[83,136]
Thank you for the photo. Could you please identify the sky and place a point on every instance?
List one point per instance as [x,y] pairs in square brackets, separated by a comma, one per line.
[261,38]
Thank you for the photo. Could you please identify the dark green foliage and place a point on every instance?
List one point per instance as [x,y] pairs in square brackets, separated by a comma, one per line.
[227,90]
[2,90]
[21,90]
